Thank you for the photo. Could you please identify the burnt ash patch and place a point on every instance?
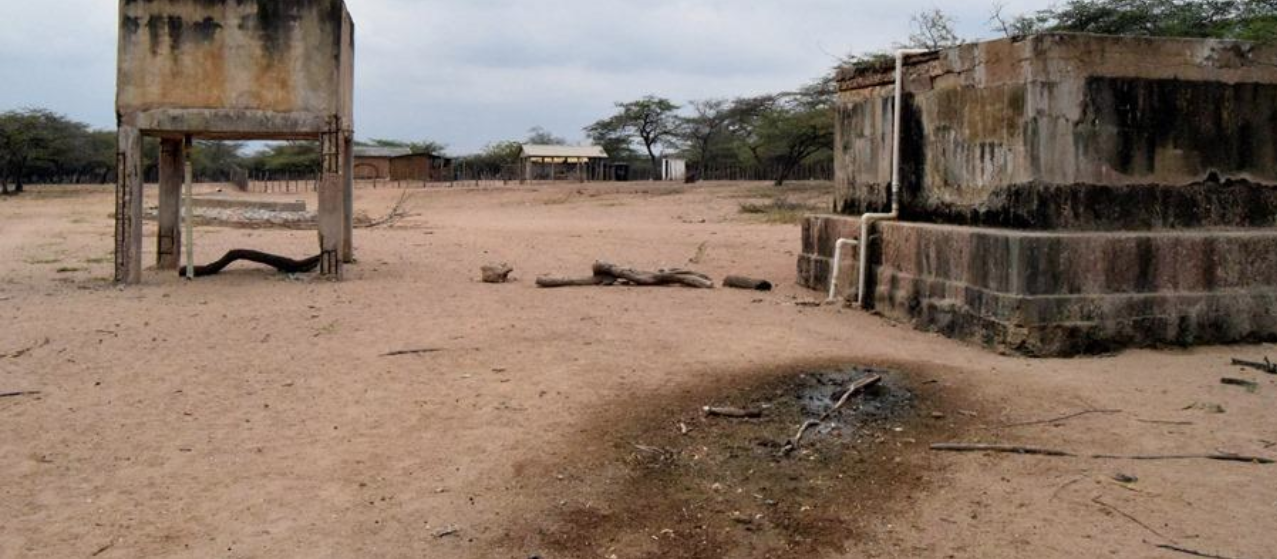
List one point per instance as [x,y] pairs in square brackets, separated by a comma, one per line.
[670,482]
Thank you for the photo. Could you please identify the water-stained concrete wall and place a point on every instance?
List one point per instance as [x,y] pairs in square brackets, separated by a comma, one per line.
[246,68]
[1070,131]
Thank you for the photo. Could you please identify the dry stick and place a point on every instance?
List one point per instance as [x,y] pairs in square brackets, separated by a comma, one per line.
[21,352]
[1218,457]
[1057,419]
[1162,422]
[412,352]
[1097,501]
[856,388]
[734,413]
[1192,552]
[20,394]
[574,282]
[396,214]
[283,264]
[1008,449]
[1267,366]
[1014,449]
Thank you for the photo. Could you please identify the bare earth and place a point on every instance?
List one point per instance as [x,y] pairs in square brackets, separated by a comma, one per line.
[254,415]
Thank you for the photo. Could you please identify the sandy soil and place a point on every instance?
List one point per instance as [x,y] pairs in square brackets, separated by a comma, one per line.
[254,415]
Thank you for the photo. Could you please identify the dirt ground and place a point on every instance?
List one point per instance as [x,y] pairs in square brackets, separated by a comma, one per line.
[255,415]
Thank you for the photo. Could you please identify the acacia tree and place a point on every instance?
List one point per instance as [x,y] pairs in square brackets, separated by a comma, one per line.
[933,30]
[1252,20]
[651,120]
[539,135]
[39,142]
[702,130]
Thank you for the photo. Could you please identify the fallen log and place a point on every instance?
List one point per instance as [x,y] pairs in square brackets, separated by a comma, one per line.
[662,277]
[283,264]
[606,274]
[751,284]
[548,282]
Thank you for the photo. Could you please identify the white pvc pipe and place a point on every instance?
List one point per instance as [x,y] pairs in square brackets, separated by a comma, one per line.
[867,220]
[189,188]
[833,274]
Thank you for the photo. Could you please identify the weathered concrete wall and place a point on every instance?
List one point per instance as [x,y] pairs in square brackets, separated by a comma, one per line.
[1062,293]
[244,68]
[1068,293]
[1070,131]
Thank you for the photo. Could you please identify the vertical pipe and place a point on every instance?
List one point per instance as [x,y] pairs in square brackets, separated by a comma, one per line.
[188,184]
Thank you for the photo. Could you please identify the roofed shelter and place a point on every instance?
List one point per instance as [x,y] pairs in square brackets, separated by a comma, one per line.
[373,162]
[232,69]
[579,163]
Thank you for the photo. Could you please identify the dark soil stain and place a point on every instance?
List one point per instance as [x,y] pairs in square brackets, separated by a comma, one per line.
[669,482]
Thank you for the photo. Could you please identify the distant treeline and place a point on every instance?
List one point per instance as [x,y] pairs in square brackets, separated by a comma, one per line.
[772,135]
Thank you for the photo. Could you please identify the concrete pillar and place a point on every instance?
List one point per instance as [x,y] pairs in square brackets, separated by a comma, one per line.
[172,172]
[348,187]
[332,205]
[128,207]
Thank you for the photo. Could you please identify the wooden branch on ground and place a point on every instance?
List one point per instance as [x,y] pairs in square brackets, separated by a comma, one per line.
[793,444]
[396,214]
[21,352]
[751,284]
[412,352]
[856,388]
[1267,366]
[606,274]
[1192,552]
[575,282]
[1220,457]
[1057,419]
[1107,506]
[283,264]
[1007,449]
[20,394]
[1013,449]
[733,413]
[1247,384]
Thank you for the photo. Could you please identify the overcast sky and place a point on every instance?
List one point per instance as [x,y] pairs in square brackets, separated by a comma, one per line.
[469,72]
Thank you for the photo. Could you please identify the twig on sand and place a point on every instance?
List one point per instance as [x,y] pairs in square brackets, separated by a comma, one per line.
[606,274]
[20,394]
[855,389]
[733,413]
[1192,552]
[793,444]
[1112,508]
[1006,449]
[396,214]
[1267,366]
[412,352]
[1032,450]
[1164,422]
[1221,457]
[1057,419]
[22,352]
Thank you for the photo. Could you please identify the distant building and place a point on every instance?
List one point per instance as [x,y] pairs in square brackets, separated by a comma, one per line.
[373,162]
[425,167]
[673,169]
[552,163]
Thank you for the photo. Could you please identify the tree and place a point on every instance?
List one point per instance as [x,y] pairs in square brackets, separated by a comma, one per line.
[429,147]
[747,115]
[1252,20]
[703,130]
[213,160]
[494,159]
[39,142]
[796,127]
[652,120]
[542,137]
[933,30]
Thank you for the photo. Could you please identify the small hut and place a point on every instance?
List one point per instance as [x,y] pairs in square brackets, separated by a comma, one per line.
[374,162]
[554,163]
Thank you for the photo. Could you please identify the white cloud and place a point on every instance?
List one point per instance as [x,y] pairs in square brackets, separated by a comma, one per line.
[467,72]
